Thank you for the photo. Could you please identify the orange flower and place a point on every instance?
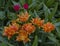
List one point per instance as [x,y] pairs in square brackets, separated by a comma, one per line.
[14,26]
[24,17]
[48,27]
[22,36]
[29,28]
[37,21]
[10,30]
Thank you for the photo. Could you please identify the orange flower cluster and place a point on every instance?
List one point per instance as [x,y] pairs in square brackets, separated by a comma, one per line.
[25,29]
[11,30]
[37,21]
[23,17]
[48,27]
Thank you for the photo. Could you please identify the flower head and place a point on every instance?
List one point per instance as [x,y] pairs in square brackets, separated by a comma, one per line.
[48,27]
[24,17]
[16,7]
[22,36]
[25,6]
[29,28]
[8,32]
[37,21]
[11,30]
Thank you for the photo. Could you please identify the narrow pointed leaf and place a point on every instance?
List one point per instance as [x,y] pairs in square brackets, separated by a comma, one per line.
[35,43]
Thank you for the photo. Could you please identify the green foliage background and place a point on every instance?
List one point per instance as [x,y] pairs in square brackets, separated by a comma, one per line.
[49,10]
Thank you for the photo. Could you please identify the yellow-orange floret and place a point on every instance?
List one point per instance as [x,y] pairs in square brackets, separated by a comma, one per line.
[22,36]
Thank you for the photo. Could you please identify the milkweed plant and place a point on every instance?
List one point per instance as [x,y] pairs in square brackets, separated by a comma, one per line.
[29,22]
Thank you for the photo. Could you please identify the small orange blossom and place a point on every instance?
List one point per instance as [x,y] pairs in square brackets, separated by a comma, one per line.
[37,21]
[48,27]
[10,30]
[22,36]
[24,17]
[29,28]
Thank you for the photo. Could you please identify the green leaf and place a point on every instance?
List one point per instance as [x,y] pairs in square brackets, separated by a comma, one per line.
[13,2]
[34,0]
[57,24]
[58,31]
[12,16]
[2,3]
[32,5]
[53,11]
[3,44]
[35,43]
[29,1]
[40,5]
[1,39]
[2,15]
[36,13]
[46,12]
[52,37]
[22,2]
[50,2]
